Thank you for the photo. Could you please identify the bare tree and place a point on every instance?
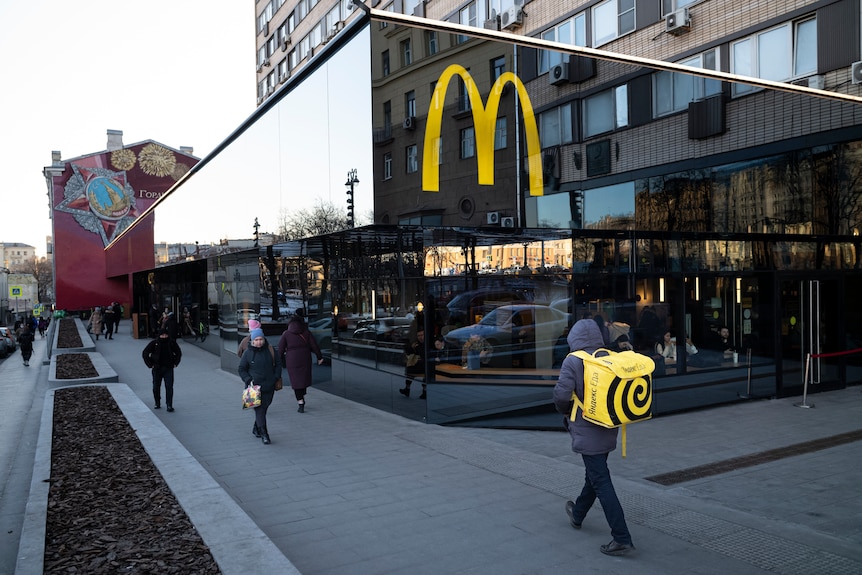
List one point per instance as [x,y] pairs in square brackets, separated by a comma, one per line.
[323,218]
[39,268]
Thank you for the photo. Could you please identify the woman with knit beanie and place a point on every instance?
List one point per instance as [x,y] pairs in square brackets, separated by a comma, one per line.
[253,324]
[261,366]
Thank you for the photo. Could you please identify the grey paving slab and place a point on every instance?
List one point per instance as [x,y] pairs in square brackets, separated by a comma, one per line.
[356,490]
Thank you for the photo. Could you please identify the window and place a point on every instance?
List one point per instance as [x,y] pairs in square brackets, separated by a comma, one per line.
[282,70]
[316,35]
[332,19]
[500,135]
[410,6]
[385,62]
[406,52]
[572,31]
[431,42]
[412,159]
[463,96]
[347,8]
[304,48]
[282,33]
[779,54]
[467,17]
[387,166]
[387,116]
[672,91]
[410,103]
[612,19]
[293,59]
[301,10]
[605,112]
[468,142]
[555,126]
[271,45]
[291,22]
[668,6]
[261,56]
[498,66]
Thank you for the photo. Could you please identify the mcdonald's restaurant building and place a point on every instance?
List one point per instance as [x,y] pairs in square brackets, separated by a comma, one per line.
[510,201]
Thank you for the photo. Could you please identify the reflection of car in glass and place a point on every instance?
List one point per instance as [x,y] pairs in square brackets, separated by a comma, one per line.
[383,329]
[321,329]
[514,329]
[465,306]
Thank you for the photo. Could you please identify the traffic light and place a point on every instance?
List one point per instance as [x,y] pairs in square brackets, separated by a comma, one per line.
[350,207]
[577,210]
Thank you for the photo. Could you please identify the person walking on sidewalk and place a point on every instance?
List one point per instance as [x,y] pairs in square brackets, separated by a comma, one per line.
[414,358]
[108,319]
[260,365]
[592,441]
[162,355]
[96,325]
[25,342]
[295,348]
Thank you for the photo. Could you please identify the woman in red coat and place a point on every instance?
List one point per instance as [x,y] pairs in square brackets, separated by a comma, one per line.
[295,348]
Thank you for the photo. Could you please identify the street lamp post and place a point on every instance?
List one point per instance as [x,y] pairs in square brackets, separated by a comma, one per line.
[352,180]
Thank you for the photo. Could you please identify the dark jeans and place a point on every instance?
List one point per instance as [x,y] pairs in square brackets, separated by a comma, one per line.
[598,484]
[260,411]
[166,373]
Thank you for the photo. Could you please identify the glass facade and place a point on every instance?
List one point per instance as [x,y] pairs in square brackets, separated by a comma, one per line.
[713,235]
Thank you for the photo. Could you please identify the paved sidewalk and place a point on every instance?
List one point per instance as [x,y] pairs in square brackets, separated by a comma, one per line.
[347,489]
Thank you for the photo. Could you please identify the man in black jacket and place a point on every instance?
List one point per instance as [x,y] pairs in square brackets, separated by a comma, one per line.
[162,355]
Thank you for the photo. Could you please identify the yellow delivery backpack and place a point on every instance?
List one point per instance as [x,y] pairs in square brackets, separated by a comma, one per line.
[617,388]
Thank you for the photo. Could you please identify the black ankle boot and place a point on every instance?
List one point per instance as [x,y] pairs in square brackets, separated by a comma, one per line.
[255,431]
[264,436]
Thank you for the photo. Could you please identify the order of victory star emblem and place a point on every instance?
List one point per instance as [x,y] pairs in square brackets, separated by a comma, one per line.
[100,200]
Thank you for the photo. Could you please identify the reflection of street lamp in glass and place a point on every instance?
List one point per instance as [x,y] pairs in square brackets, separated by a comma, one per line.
[352,180]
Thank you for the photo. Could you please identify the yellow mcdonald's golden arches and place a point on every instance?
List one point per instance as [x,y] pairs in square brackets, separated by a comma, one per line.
[485,123]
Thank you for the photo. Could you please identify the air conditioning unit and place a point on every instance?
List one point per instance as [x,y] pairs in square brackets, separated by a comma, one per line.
[507,222]
[493,22]
[856,72]
[817,82]
[494,218]
[558,75]
[512,18]
[678,22]
[409,123]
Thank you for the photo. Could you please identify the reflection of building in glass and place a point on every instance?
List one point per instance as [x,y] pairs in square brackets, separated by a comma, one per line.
[672,203]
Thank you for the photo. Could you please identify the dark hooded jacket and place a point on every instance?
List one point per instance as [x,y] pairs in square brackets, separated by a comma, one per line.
[587,438]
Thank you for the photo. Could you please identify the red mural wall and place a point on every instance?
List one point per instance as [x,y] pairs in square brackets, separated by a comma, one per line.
[94,199]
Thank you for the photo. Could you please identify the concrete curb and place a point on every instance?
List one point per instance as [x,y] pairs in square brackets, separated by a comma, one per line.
[234,540]
[105,371]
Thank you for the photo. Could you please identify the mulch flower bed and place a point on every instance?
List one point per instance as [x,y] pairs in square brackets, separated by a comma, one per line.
[72,365]
[109,509]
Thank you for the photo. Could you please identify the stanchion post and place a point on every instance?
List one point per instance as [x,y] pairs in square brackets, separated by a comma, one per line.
[804,403]
[748,385]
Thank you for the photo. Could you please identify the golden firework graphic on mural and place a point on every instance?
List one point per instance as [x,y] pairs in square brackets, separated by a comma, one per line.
[157,161]
[123,159]
[180,170]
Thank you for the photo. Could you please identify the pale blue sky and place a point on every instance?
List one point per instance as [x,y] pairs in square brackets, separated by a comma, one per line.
[178,72]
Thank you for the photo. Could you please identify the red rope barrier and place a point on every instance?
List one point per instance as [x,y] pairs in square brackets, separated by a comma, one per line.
[837,353]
